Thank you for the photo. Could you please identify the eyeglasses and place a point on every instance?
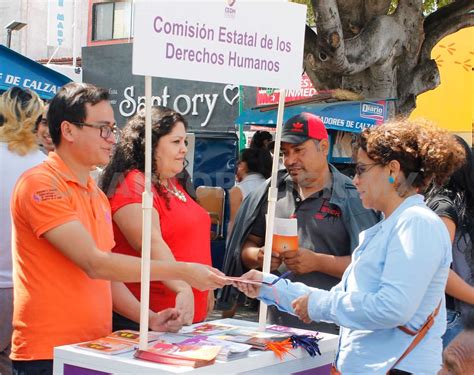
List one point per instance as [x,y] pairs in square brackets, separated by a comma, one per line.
[361,168]
[105,130]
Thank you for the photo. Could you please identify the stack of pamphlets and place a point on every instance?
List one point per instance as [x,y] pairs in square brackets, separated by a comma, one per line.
[291,331]
[229,350]
[180,354]
[237,334]
[117,342]
[256,339]
[207,329]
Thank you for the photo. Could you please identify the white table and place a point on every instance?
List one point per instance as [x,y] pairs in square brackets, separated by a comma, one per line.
[69,360]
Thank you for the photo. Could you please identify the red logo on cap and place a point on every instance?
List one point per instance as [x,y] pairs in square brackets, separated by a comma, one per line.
[297,127]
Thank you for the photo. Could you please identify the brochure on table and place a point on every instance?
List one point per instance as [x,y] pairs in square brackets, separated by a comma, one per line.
[70,359]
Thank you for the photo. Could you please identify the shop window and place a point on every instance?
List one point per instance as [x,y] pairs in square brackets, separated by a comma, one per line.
[111,20]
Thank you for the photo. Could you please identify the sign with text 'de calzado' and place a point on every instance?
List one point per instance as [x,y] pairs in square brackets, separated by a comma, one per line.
[255,43]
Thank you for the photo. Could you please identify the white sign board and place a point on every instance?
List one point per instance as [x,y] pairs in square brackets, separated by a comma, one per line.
[60,23]
[254,43]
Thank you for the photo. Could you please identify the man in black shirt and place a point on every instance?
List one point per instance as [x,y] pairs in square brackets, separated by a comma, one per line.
[329,213]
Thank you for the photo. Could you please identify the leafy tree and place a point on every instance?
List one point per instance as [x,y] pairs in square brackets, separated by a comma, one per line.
[380,48]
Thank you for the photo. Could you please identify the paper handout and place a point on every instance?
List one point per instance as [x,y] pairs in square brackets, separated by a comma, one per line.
[285,235]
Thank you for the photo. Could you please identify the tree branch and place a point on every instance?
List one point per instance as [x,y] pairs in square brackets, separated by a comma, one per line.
[409,6]
[445,22]
[374,8]
[424,77]
[330,35]
[321,77]
[354,14]
[454,9]
[351,56]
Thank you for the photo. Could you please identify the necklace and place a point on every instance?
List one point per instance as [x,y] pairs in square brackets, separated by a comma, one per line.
[174,191]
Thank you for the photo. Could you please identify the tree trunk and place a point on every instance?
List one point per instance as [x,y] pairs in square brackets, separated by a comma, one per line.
[359,47]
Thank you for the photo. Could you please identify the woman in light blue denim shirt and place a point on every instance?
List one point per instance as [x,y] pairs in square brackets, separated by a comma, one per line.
[398,272]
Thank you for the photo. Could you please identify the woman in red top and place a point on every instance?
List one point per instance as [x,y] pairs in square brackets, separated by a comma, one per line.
[180,227]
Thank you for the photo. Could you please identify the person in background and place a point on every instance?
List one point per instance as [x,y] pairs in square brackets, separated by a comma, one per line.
[180,228]
[42,133]
[253,168]
[19,110]
[458,357]
[395,282]
[329,216]
[261,139]
[454,203]
[63,236]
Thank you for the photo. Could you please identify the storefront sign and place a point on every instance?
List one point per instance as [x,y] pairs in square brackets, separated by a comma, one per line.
[271,96]
[35,85]
[185,104]
[220,41]
[60,23]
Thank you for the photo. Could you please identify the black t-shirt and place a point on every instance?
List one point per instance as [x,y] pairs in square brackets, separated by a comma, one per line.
[444,207]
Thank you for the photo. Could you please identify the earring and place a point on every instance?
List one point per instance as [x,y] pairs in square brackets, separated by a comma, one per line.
[391,179]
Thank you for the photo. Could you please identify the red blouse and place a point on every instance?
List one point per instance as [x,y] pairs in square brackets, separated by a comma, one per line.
[185,227]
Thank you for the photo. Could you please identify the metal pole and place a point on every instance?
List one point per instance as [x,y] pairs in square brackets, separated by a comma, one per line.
[147,205]
[74,34]
[242,139]
[9,37]
[272,198]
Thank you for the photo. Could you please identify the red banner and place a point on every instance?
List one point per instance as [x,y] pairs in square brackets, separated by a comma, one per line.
[271,96]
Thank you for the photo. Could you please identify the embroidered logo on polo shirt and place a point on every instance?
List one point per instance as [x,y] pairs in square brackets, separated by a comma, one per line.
[47,195]
[328,211]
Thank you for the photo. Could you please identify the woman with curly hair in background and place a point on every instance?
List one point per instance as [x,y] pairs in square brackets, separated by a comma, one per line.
[180,227]
[395,283]
[19,110]
[454,203]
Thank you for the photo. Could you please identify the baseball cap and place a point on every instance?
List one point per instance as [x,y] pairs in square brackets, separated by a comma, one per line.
[300,128]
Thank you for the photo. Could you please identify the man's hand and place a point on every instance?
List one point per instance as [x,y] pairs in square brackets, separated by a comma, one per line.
[275,260]
[300,261]
[251,290]
[168,320]
[300,305]
[204,277]
[185,305]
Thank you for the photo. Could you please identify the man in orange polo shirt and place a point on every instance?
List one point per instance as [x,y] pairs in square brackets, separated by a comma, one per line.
[62,237]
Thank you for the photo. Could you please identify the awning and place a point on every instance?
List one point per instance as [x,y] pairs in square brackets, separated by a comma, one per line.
[349,116]
[18,70]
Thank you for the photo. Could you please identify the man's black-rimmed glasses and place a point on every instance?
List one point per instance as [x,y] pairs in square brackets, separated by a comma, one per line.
[105,130]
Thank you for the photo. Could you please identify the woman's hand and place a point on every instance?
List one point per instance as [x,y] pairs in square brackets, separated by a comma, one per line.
[185,304]
[211,301]
[168,320]
[204,277]
[300,305]
[249,289]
